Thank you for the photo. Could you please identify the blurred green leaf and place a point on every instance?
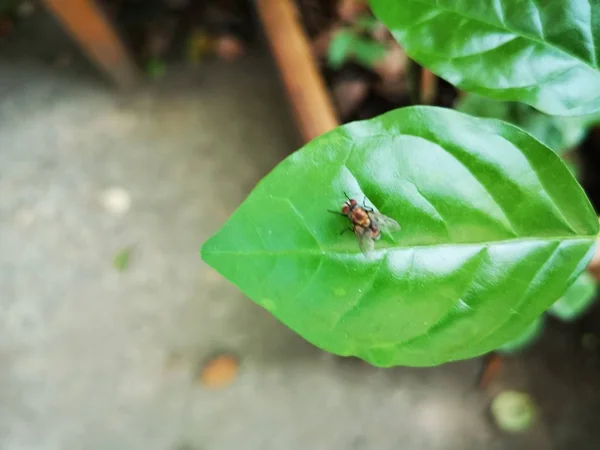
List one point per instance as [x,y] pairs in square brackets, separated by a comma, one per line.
[347,45]
[494,229]
[561,134]
[155,68]
[367,22]
[513,411]
[339,48]
[525,339]
[543,53]
[121,259]
[576,300]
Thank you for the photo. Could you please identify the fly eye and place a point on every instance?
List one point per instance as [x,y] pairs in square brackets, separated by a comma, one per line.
[345,210]
[353,202]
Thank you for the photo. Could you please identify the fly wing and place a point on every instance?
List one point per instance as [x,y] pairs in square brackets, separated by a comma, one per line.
[384,223]
[365,241]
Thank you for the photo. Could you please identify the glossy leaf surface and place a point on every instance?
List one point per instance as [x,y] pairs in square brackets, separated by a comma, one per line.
[576,300]
[543,53]
[494,229]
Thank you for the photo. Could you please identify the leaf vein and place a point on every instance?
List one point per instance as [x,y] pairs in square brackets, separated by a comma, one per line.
[479,53]
[443,318]
[532,168]
[255,227]
[538,20]
[499,10]
[594,50]
[437,212]
[309,281]
[384,249]
[515,308]
[302,219]
[483,186]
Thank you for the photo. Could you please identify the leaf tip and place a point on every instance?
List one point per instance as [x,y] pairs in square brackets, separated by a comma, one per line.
[207,248]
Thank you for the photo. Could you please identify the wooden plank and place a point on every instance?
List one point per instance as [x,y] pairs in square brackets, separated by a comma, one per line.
[88,25]
[312,105]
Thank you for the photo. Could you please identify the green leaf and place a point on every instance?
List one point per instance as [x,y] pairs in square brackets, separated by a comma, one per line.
[367,52]
[155,68]
[339,48]
[121,259]
[576,300]
[367,22]
[573,168]
[561,134]
[544,54]
[494,230]
[525,339]
[346,45]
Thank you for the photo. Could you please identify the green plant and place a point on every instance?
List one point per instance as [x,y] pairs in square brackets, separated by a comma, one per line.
[561,134]
[571,305]
[540,53]
[495,228]
[352,43]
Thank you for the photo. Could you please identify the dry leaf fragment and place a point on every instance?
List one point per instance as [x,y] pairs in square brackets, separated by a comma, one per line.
[220,371]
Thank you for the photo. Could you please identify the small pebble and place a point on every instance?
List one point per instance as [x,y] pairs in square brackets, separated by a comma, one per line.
[229,48]
[116,200]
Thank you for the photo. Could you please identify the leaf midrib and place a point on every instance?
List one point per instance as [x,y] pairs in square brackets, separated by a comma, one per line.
[518,33]
[325,251]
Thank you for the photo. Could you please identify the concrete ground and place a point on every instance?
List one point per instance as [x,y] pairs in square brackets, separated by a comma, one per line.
[95,358]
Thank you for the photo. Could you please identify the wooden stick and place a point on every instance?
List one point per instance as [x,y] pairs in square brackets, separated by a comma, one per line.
[491,366]
[306,89]
[94,34]
[428,87]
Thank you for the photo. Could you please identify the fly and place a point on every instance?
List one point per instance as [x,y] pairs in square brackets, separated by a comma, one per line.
[366,224]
